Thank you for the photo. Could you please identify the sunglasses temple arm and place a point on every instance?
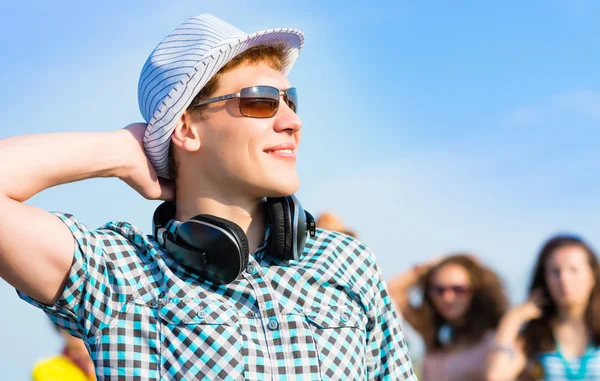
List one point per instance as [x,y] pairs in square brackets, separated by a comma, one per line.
[216,99]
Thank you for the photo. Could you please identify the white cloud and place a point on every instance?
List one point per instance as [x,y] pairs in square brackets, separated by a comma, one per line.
[583,103]
[525,115]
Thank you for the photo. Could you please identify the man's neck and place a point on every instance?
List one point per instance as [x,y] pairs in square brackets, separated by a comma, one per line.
[249,215]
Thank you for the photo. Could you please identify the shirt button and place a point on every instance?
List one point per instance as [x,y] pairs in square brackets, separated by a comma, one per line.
[344,318]
[273,324]
[251,269]
[201,314]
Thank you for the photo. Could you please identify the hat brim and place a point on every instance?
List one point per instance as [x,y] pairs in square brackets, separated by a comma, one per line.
[158,133]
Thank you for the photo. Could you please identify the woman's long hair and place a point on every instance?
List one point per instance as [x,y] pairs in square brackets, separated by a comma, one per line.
[537,335]
[488,304]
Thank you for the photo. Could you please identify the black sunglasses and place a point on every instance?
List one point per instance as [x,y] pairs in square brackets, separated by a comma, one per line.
[456,290]
[258,101]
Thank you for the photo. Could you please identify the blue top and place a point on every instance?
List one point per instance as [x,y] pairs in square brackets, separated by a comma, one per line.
[558,368]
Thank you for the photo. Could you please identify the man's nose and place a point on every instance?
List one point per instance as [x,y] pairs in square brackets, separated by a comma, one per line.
[287,119]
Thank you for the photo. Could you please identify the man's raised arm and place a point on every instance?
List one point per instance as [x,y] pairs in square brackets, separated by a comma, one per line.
[36,248]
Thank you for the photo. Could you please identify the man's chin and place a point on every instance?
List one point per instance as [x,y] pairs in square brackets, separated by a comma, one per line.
[282,189]
[281,183]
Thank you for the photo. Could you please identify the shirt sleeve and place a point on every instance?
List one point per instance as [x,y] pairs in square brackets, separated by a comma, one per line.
[83,301]
[387,352]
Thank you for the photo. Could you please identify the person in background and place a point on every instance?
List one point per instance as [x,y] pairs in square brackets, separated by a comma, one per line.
[72,364]
[331,222]
[462,303]
[555,334]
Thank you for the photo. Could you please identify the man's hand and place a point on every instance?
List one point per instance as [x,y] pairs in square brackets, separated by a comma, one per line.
[139,173]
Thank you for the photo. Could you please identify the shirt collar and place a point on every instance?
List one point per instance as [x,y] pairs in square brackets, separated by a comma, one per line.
[260,250]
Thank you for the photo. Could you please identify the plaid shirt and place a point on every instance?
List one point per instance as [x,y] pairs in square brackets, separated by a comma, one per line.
[144,317]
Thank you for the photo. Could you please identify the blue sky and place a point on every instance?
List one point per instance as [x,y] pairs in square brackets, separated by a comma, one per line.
[429,126]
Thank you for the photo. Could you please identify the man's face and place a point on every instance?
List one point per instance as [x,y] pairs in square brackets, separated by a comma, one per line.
[248,156]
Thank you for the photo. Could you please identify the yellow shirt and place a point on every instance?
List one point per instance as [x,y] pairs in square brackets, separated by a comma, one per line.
[58,368]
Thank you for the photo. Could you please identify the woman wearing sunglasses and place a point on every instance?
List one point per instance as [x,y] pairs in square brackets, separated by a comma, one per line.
[462,303]
[555,334]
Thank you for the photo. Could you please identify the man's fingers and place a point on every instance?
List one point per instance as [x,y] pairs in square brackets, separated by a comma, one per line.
[167,190]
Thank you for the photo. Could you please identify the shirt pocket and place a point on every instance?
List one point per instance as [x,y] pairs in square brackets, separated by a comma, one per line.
[200,341]
[340,338]
[129,344]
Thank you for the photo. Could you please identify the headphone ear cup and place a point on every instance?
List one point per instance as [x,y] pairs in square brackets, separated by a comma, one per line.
[233,228]
[281,237]
[213,234]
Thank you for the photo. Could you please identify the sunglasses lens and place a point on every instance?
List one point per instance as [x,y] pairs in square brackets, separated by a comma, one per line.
[438,290]
[258,107]
[259,101]
[459,290]
[291,98]
[456,290]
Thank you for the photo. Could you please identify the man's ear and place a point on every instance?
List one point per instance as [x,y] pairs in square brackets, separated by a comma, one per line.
[185,135]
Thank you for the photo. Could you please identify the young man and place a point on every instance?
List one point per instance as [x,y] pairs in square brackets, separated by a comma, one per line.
[226,288]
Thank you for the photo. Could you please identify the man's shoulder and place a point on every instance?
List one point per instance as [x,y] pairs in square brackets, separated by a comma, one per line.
[114,239]
[124,229]
[328,240]
[340,249]
[342,262]
[114,229]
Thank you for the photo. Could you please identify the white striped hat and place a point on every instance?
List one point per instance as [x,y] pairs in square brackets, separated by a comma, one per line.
[182,64]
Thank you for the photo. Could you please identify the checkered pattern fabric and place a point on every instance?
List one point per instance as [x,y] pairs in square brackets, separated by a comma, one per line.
[144,317]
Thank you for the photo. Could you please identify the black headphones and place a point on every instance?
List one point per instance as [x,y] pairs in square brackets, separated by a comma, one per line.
[217,249]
